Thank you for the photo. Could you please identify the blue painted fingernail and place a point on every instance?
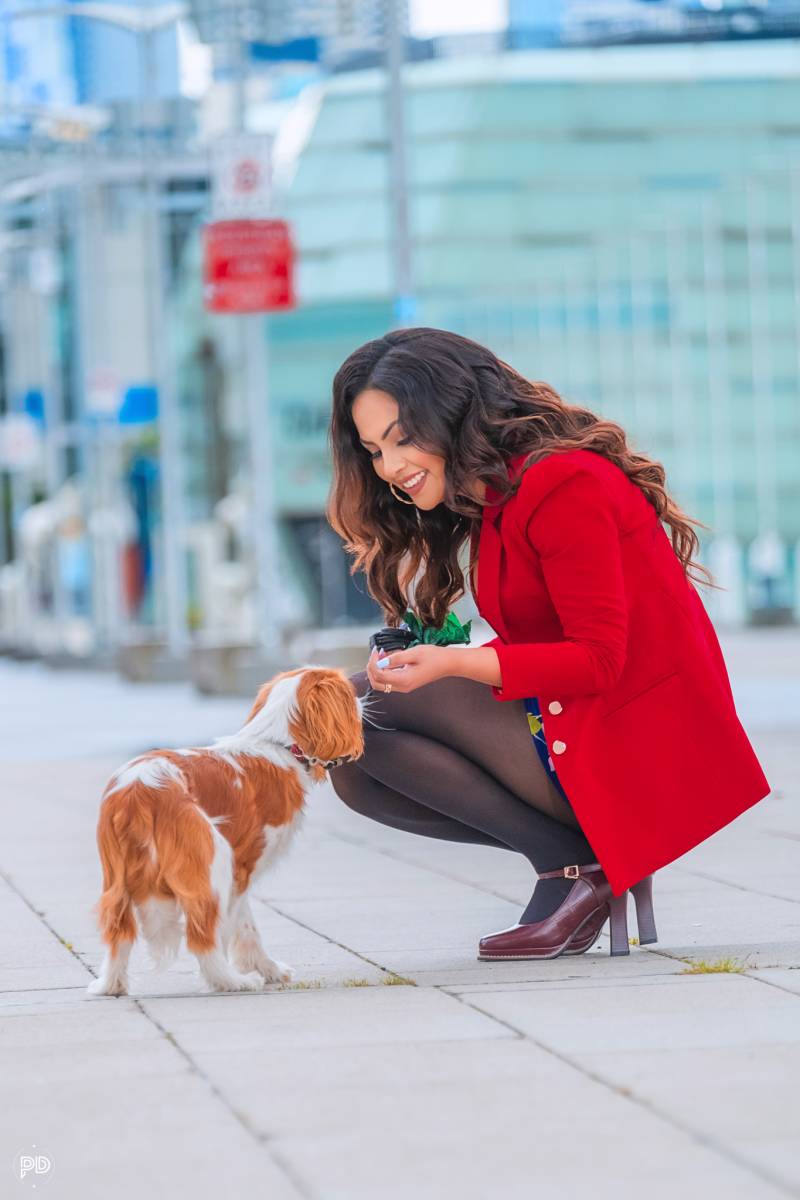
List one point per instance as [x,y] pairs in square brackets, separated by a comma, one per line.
[383,662]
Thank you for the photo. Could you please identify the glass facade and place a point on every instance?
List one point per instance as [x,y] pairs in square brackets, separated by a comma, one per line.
[620,223]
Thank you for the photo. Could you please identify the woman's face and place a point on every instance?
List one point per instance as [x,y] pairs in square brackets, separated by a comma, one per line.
[417,473]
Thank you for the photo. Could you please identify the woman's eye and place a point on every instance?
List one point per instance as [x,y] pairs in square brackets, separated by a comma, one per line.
[403,442]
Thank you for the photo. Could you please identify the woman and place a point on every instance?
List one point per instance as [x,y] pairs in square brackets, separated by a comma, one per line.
[604,651]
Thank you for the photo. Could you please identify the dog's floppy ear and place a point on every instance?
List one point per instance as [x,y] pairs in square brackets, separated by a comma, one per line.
[326,711]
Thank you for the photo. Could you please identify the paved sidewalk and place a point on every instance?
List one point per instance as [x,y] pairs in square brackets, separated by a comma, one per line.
[618,1078]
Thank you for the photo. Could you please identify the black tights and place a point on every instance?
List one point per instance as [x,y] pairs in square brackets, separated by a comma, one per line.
[449,761]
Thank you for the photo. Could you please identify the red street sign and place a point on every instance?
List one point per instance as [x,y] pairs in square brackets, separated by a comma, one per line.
[247,266]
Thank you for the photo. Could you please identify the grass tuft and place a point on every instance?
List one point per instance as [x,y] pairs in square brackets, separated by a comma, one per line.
[386,981]
[726,966]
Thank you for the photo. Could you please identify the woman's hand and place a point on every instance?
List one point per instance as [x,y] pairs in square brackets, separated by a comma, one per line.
[410,669]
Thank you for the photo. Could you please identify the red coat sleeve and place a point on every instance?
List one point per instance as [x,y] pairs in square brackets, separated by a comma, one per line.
[574,530]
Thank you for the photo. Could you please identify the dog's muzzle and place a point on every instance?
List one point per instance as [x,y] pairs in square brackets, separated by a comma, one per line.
[310,760]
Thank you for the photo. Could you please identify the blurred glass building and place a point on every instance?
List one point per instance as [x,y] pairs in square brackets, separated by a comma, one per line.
[615,22]
[623,223]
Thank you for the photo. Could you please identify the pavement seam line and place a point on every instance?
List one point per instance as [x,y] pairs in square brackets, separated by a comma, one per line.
[746,973]
[326,937]
[707,1141]
[43,920]
[264,1140]
[772,983]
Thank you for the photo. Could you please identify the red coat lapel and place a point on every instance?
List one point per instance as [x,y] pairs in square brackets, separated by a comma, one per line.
[490,556]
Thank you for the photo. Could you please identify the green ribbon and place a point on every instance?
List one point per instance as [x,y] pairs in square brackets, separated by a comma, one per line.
[452,633]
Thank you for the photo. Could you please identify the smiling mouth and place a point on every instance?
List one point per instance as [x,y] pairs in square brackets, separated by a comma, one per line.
[414,482]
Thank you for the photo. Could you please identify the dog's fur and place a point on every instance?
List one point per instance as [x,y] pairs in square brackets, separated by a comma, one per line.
[183,833]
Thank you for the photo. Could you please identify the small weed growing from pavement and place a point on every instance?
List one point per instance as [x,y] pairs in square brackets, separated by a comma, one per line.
[633,941]
[722,966]
[386,981]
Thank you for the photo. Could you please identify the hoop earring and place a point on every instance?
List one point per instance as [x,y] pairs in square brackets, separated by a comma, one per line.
[400,498]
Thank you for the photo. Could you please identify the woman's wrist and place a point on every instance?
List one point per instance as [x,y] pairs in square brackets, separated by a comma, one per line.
[480,663]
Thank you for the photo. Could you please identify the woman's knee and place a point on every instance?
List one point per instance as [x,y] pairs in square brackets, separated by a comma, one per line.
[346,781]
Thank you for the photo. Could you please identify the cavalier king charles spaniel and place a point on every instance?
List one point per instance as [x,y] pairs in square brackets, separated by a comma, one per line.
[183,833]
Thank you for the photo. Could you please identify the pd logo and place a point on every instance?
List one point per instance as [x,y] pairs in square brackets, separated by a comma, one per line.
[33,1167]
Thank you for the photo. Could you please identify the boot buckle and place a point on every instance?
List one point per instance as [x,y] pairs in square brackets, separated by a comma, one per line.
[572,872]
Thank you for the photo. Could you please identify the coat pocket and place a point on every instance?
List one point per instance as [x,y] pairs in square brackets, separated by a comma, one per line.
[615,703]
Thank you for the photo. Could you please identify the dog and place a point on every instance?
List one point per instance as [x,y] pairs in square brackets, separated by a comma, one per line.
[182,834]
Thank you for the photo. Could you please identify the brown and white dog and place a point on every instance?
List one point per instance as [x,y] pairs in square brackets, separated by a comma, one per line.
[183,833]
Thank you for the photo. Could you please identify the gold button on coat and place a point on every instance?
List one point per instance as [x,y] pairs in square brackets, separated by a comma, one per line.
[554,707]
[559,747]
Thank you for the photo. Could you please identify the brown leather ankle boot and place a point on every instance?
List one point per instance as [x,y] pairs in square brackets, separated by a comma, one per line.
[581,915]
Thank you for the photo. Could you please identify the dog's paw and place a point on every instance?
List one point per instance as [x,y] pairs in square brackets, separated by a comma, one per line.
[278,972]
[239,983]
[99,987]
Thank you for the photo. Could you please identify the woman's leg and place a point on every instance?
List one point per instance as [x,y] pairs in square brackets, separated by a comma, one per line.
[449,761]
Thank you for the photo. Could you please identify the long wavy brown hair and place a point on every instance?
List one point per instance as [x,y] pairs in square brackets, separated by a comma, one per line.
[458,400]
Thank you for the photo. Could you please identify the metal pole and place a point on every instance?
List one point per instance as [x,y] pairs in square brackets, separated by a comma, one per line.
[718,374]
[54,400]
[170,461]
[404,302]
[252,336]
[762,367]
[7,534]
[100,452]
[683,402]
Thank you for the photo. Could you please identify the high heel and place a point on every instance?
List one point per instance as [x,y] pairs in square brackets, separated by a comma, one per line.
[618,907]
[643,898]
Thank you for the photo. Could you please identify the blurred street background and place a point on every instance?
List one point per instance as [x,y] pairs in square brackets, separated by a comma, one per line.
[207,205]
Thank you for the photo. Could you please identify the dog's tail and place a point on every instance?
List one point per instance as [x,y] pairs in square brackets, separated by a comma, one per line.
[125,836]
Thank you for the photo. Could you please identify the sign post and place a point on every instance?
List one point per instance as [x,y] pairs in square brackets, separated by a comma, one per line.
[248,268]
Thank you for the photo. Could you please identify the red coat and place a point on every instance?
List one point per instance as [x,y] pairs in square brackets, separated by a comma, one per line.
[637,707]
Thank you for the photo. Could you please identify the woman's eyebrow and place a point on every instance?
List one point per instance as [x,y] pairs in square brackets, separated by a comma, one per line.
[383,435]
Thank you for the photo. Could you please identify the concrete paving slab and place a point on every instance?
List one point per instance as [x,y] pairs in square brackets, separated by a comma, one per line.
[736,1095]
[90,1080]
[659,1012]
[333,1017]
[448,1119]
